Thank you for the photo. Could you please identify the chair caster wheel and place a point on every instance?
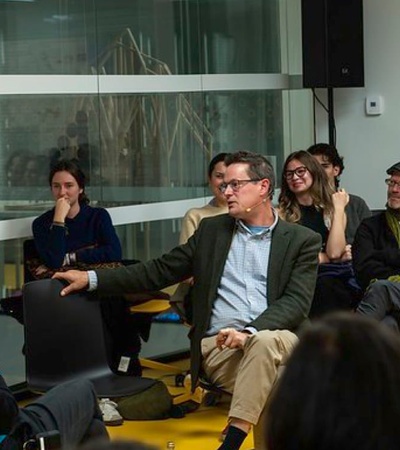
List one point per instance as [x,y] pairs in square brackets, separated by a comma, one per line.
[211,399]
[179,380]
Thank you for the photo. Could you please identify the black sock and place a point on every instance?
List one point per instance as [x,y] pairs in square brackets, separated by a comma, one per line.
[233,439]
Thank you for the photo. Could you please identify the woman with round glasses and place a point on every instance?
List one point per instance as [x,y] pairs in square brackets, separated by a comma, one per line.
[307,198]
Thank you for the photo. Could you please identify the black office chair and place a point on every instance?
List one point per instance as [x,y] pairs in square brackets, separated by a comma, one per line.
[64,340]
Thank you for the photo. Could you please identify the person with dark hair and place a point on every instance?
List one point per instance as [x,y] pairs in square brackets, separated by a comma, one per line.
[254,277]
[73,231]
[76,235]
[36,170]
[377,257]
[330,160]
[307,198]
[70,408]
[217,205]
[356,210]
[15,168]
[340,389]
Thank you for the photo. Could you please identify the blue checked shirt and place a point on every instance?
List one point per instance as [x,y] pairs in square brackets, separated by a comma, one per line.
[242,293]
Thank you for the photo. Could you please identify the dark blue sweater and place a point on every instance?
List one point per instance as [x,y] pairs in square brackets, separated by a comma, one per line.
[92,227]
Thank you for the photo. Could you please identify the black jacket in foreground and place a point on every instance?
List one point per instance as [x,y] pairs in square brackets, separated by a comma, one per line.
[18,424]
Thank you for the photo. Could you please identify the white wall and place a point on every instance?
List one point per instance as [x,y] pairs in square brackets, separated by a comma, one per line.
[370,144]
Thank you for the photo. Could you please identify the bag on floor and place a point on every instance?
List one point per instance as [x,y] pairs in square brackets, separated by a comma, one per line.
[153,403]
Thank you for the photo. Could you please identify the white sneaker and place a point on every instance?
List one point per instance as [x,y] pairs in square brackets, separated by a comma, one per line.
[111,416]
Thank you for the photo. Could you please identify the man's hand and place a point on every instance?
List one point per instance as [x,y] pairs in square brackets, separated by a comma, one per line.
[77,279]
[228,337]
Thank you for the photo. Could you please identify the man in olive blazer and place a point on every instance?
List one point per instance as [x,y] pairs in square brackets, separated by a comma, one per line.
[271,263]
[291,276]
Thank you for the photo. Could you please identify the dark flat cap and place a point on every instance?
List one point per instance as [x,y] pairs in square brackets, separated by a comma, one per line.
[394,168]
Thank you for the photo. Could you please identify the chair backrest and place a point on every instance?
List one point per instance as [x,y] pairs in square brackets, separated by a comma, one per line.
[64,340]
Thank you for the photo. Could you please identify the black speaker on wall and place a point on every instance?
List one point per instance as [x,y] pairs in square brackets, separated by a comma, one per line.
[333,49]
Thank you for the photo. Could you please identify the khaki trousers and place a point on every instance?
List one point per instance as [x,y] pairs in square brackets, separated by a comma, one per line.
[249,373]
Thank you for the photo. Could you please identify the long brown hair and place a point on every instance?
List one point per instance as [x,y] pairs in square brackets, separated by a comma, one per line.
[320,190]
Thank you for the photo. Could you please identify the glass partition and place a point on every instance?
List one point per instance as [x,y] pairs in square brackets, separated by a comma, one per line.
[134,148]
[140,36]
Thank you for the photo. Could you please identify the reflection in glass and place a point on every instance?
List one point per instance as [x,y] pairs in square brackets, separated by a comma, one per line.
[148,240]
[152,147]
[36,131]
[125,36]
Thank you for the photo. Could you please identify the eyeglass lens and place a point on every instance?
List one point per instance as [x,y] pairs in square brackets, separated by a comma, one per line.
[392,183]
[235,185]
[299,171]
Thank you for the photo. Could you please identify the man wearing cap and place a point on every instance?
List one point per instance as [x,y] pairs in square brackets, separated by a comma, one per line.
[376,257]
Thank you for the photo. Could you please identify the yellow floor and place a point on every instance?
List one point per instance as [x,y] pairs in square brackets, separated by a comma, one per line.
[198,430]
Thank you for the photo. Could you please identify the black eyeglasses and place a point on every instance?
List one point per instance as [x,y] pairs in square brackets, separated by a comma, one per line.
[300,172]
[235,185]
[391,183]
